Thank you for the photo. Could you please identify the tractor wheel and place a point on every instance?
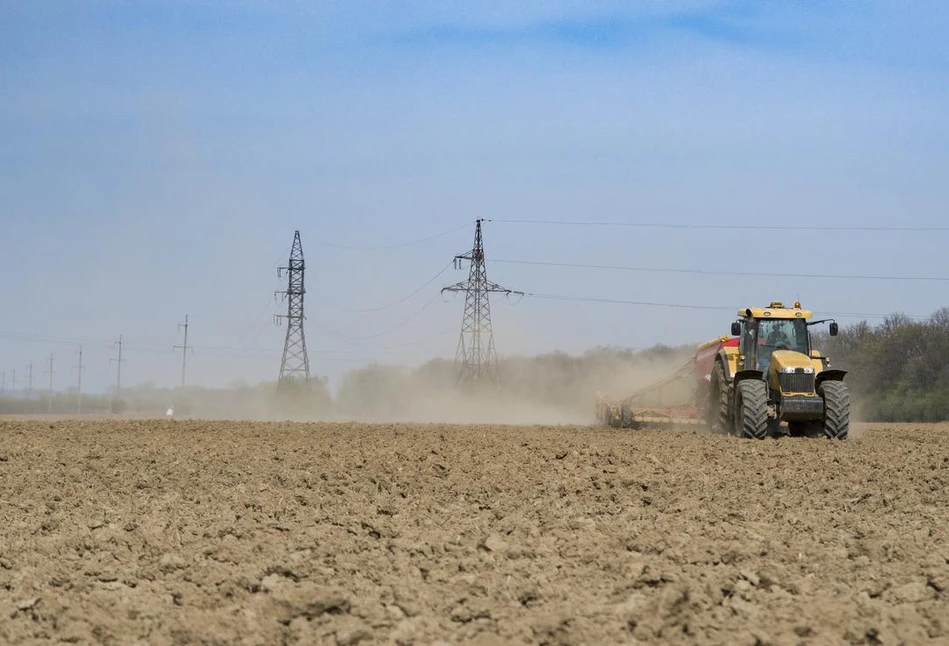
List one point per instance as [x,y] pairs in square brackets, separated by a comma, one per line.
[836,409]
[717,403]
[751,409]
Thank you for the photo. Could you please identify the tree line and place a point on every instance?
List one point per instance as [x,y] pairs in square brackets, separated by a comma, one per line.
[898,370]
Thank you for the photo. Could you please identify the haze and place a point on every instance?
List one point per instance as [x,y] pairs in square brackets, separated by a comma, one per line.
[157,157]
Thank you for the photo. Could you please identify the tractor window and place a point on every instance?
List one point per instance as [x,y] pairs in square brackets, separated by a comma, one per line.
[782,334]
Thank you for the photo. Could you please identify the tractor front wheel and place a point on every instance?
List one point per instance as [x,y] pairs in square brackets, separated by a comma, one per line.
[836,409]
[751,409]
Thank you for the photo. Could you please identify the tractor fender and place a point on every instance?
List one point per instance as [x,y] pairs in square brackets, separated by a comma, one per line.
[829,375]
[741,375]
[722,359]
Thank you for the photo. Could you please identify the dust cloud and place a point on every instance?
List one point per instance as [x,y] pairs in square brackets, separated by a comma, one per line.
[858,417]
[549,389]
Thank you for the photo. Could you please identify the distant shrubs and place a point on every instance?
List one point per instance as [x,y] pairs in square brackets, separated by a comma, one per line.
[898,369]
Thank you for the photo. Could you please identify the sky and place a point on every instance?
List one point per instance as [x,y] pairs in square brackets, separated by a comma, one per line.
[157,157]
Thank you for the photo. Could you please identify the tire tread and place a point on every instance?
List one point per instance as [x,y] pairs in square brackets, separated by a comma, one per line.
[836,397]
[752,418]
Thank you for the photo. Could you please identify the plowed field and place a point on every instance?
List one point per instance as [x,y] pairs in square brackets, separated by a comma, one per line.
[190,532]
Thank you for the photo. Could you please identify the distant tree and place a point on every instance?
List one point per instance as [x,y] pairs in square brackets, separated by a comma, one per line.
[296,396]
[375,390]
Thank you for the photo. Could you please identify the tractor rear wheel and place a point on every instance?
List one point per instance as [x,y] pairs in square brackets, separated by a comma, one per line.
[626,417]
[717,402]
[836,409]
[751,409]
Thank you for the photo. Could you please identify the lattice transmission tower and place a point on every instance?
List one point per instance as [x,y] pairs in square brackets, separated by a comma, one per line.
[295,363]
[476,360]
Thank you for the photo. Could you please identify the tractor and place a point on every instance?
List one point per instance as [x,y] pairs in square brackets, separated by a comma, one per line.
[769,374]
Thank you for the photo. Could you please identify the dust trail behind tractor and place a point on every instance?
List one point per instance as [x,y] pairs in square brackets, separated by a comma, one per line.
[678,400]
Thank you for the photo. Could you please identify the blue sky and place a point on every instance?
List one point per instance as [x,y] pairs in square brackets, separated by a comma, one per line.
[156,158]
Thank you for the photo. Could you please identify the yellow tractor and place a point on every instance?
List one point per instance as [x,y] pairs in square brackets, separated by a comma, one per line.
[772,374]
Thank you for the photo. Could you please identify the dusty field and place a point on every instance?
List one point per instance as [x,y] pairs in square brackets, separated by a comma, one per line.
[190,532]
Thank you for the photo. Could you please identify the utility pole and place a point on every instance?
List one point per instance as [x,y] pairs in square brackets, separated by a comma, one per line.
[184,350]
[295,361]
[29,391]
[475,358]
[3,382]
[13,387]
[50,392]
[79,392]
[118,376]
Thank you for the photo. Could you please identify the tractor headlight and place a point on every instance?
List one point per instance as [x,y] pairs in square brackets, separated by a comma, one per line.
[791,371]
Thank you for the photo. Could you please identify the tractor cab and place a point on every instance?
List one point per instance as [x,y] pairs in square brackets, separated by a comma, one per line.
[776,335]
[762,337]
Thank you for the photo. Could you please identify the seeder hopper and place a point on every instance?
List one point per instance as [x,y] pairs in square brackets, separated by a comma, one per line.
[676,400]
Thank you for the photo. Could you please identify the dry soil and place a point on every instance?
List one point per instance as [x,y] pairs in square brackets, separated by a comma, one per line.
[190,532]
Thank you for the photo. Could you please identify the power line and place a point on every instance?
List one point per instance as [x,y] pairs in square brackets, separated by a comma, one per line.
[184,350]
[118,376]
[395,327]
[324,360]
[591,299]
[394,346]
[259,321]
[50,392]
[79,389]
[215,353]
[719,308]
[405,298]
[757,227]
[407,344]
[395,245]
[35,338]
[242,295]
[60,340]
[151,348]
[720,272]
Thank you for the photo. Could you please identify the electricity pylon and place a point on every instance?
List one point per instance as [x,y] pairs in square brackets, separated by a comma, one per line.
[476,359]
[295,362]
